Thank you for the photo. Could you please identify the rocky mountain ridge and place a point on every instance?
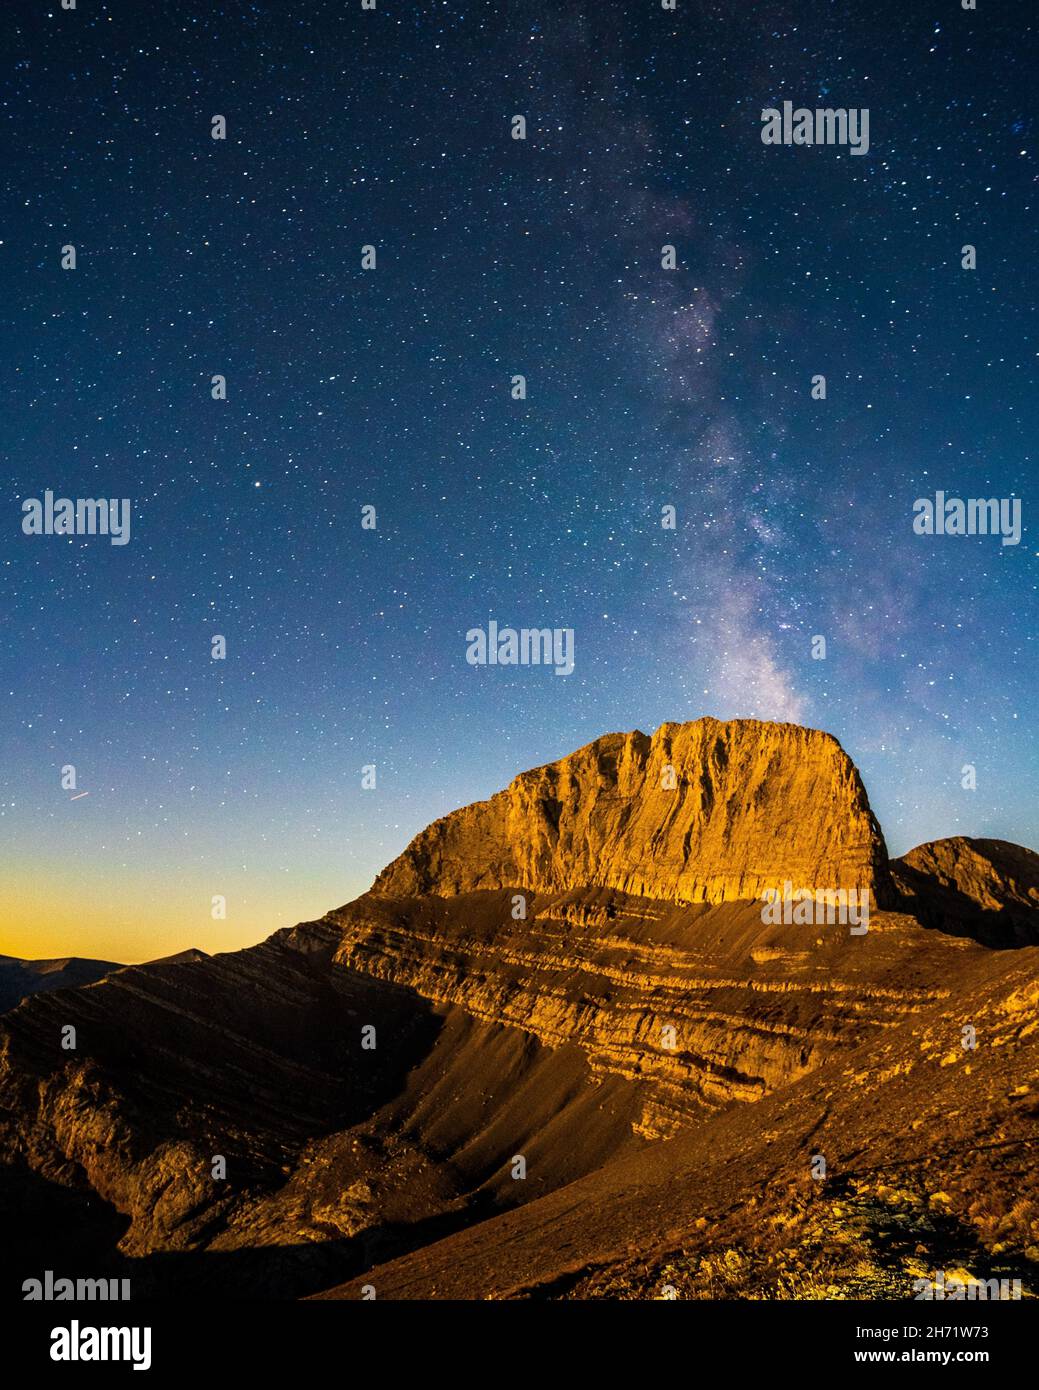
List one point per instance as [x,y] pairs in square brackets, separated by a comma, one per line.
[573,973]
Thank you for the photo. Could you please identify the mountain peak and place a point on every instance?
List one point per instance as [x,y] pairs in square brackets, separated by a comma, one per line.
[988,889]
[705,811]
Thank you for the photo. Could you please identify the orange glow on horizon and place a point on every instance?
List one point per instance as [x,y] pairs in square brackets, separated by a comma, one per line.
[61,913]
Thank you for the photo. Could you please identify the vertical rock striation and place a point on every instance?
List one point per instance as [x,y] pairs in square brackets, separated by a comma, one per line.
[700,812]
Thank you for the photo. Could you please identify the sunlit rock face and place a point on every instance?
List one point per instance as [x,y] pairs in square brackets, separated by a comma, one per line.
[699,812]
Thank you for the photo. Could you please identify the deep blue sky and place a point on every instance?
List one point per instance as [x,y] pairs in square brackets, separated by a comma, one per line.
[391,387]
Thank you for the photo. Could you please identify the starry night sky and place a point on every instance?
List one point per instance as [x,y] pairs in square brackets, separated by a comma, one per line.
[391,387]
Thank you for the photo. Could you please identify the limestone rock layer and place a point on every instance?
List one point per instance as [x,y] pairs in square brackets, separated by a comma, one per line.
[700,812]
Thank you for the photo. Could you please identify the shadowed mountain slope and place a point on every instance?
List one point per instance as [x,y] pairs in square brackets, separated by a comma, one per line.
[986,889]
[930,1154]
[20,978]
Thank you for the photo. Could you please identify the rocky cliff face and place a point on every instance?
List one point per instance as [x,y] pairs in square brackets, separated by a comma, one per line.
[696,1005]
[701,812]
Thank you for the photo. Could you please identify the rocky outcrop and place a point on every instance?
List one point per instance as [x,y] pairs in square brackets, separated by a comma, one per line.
[698,1005]
[701,812]
[987,889]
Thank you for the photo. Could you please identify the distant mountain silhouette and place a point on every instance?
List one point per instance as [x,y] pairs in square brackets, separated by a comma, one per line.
[20,978]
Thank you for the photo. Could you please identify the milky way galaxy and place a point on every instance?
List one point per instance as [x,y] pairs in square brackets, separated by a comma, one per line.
[329,309]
